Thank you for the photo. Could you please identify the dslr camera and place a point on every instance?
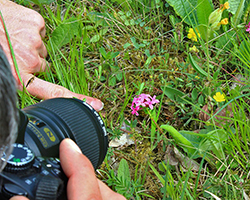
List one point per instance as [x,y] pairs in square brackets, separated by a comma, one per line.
[33,168]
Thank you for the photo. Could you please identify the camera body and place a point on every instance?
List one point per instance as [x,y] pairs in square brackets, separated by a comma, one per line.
[35,177]
[33,168]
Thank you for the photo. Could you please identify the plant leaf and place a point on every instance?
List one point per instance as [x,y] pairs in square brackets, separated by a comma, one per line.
[179,138]
[95,38]
[203,11]
[112,81]
[197,67]
[186,9]
[175,94]
[237,8]
[65,32]
[213,142]
[123,173]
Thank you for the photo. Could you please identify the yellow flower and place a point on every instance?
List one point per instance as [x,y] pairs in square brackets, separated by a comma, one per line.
[194,49]
[192,36]
[226,5]
[219,97]
[223,21]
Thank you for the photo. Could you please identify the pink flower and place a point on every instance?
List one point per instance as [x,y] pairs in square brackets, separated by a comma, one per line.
[143,100]
[153,101]
[248,27]
[134,110]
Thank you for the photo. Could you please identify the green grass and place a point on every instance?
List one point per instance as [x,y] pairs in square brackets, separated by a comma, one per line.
[114,50]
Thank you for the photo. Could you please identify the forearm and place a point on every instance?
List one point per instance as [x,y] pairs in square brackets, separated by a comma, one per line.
[4,5]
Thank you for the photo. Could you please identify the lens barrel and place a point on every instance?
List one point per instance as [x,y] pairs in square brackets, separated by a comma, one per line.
[52,120]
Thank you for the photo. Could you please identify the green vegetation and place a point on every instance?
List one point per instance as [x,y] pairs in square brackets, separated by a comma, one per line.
[194,143]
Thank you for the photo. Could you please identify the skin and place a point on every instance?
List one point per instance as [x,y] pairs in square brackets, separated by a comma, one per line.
[26,29]
[82,184]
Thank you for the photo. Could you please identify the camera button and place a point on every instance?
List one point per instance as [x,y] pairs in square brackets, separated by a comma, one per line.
[13,190]
[40,159]
[57,172]
[37,165]
[54,162]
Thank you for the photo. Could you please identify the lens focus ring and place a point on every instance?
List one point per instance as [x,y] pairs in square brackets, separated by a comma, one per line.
[83,122]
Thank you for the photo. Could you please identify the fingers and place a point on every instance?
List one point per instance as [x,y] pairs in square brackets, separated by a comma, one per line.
[82,183]
[42,52]
[19,198]
[38,65]
[43,32]
[46,90]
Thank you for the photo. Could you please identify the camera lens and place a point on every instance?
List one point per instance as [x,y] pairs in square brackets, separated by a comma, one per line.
[52,120]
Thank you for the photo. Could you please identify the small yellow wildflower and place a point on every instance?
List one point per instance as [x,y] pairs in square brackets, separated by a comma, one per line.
[226,5]
[219,97]
[194,49]
[223,21]
[192,36]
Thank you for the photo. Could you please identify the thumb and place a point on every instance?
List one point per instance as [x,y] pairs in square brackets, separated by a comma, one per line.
[19,198]
[82,183]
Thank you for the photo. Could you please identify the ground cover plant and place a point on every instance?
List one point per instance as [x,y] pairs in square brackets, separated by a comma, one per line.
[174,77]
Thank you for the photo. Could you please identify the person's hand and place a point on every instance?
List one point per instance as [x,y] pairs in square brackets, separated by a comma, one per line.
[82,183]
[25,28]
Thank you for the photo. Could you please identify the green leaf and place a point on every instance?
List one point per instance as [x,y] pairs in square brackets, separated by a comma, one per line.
[136,45]
[112,81]
[103,52]
[158,175]
[197,67]
[206,32]
[103,31]
[186,9]
[119,76]
[194,138]
[95,38]
[237,8]
[194,94]
[126,45]
[201,100]
[148,61]
[123,173]
[237,5]
[175,94]
[114,55]
[65,32]
[203,11]
[179,138]
[214,142]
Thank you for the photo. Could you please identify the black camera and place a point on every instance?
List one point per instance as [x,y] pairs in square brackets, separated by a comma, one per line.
[33,169]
